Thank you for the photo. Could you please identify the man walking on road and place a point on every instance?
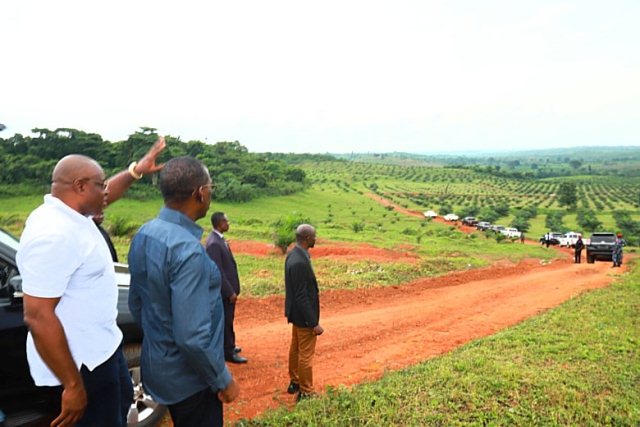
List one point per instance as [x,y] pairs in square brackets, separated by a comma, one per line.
[219,251]
[302,309]
[70,295]
[175,297]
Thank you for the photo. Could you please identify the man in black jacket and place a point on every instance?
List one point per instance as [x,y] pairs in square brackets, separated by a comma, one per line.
[578,250]
[302,309]
[220,253]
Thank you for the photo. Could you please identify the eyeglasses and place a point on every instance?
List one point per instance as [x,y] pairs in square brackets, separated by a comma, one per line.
[211,187]
[100,184]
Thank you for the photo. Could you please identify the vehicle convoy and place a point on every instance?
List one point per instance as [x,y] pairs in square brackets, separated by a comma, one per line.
[600,247]
[20,400]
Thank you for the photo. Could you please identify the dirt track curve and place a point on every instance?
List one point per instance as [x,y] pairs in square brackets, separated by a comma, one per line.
[369,331]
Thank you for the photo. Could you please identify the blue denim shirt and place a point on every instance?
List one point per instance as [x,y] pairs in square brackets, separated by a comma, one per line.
[175,298]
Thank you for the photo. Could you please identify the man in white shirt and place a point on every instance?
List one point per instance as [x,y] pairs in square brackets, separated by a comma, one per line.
[70,293]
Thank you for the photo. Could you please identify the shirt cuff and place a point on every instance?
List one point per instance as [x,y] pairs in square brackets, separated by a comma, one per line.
[223,380]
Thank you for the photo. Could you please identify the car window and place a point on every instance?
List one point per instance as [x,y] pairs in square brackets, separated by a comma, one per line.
[8,240]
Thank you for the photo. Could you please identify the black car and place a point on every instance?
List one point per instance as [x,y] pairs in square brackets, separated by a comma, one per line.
[554,239]
[470,221]
[600,247]
[21,401]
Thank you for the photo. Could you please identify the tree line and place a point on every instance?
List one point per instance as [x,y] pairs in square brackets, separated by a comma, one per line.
[238,174]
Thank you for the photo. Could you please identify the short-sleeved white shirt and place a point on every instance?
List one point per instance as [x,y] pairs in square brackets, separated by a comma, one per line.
[63,255]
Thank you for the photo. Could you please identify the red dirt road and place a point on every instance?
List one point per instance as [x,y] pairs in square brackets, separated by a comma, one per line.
[370,331]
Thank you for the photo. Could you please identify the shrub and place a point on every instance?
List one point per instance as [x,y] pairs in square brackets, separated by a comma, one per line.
[121,226]
[357,226]
[284,230]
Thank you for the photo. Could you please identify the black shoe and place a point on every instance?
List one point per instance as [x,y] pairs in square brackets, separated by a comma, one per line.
[293,388]
[237,350]
[304,396]
[237,359]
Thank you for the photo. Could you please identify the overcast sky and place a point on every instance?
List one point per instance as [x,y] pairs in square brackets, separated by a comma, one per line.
[328,76]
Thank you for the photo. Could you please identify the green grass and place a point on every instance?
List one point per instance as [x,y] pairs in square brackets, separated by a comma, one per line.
[439,248]
[577,364]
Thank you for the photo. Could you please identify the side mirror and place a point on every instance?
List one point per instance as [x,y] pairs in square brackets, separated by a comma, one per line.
[16,284]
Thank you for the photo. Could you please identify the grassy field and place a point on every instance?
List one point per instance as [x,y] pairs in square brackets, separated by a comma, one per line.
[437,248]
[577,364]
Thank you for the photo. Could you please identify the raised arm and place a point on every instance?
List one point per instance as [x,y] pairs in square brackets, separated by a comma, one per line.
[120,183]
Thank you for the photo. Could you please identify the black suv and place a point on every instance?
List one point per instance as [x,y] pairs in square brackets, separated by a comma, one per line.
[600,247]
[21,401]
[470,221]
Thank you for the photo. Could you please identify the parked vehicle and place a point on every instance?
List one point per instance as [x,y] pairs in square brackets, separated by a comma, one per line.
[483,225]
[430,214]
[21,401]
[451,217]
[569,239]
[469,220]
[554,238]
[497,228]
[600,247]
[511,233]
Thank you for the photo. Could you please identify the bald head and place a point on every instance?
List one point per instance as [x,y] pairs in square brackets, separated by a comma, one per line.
[75,166]
[306,235]
[79,182]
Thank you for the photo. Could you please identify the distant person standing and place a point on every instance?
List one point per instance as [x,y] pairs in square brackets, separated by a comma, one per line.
[617,250]
[98,220]
[578,250]
[302,309]
[522,237]
[219,251]
[175,297]
[547,239]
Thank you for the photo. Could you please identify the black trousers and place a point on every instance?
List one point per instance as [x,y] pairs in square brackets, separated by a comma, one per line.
[229,333]
[578,256]
[202,409]
[109,394]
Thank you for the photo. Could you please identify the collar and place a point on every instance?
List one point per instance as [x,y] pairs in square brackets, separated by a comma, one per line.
[57,203]
[306,252]
[177,217]
[218,233]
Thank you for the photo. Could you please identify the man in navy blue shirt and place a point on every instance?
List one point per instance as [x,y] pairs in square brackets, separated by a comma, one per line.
[175,297]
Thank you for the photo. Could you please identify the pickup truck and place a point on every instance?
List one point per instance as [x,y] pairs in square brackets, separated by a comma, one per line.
[24,404]
[600,247]
[511,233]
[569,239]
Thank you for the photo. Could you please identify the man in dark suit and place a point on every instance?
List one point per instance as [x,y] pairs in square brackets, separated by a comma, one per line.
[302,309]
[220,253]
[98,219]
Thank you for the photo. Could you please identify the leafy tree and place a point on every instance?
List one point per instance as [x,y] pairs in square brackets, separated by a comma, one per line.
[469,211]
[502,208]
[284,230]
[521,223]
[588,220]
[488,214]
[553,222]
[628,227]
[567,195]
